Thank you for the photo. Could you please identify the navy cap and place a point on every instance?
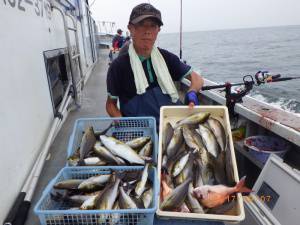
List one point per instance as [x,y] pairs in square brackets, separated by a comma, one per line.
[144,11]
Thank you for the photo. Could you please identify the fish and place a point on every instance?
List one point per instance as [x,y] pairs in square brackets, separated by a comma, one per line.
[176,197]
[122,150]
[115,217]
[209,140]
[125,201]
[94,161]
[138,142]
[219,168]
[74,158]
[175,142]
[147,197]
[171,162]
[106,199]
[87,142]
[168,134]
[197,173]
[189,138]
[165,188]
[105,154]
[89,203]
[164,161]
[183,208]
[74,200]
[94,182]
[140,187]
[71,184]
[212,196]
[228,165]
[196,118]
[186,172]
[147,149]
[193,203]
[218,130]
[98,133]
[207,174]
[180,164]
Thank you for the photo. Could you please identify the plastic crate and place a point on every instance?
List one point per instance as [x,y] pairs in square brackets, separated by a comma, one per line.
[127,129]
[57,213]
[174,113]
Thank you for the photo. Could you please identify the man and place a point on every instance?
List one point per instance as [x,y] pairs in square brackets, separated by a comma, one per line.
[118,40]
[142,79]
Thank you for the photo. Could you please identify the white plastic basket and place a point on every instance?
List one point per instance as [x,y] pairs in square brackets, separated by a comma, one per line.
[174,113]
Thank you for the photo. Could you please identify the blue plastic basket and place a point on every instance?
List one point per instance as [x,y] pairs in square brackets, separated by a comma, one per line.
[57,213]
[127,129]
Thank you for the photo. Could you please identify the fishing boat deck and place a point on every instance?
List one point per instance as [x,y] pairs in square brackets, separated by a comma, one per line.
[93,105]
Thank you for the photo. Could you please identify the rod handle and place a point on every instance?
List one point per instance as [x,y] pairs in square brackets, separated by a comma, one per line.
[14,209]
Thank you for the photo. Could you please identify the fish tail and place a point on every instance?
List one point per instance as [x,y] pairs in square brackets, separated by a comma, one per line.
[240,186]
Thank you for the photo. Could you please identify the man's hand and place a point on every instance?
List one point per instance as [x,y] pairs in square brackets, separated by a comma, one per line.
[191,98]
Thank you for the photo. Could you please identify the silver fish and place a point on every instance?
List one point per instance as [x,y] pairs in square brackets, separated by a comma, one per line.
[138,142]
[219,168]
[176,197]
[89,203]
[209,140]
[192,202]
[189,138]
[106,199]
[71,184]
[87,142]
[122,150]
[94,161]
[147,149]
[186,172]
[180,164]
[125,201]
[140,187]
[168,134]
[175,142]
[193,119]
[105,154]
[198,174]
[94,182]
[147,197]
[115,217]
[228,164]
[219,132]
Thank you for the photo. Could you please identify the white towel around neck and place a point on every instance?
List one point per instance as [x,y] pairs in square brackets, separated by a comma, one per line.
[164,78]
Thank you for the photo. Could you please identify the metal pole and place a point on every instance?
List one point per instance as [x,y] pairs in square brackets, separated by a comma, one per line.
[69,51]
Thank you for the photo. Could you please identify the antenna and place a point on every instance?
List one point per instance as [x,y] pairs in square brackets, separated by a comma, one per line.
[180,32]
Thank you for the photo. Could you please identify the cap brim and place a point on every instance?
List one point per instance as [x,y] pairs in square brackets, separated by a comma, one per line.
[140,18]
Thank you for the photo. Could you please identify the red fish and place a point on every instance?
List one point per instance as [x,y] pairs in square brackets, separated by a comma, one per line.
[212,196]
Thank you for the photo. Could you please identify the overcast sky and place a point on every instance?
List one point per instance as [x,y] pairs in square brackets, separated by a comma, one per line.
[205,14]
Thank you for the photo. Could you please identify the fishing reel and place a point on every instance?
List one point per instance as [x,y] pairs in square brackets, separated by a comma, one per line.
[237,97]
[263,77]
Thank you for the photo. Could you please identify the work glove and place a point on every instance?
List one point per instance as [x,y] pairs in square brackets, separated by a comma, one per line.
[191,97]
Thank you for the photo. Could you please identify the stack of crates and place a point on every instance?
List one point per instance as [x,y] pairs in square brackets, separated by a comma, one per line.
[51,212]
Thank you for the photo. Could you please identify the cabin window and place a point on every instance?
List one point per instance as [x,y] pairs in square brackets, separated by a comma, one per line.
[58,74]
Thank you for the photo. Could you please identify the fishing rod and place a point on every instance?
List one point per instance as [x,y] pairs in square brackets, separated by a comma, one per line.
[180,32]
[261,77]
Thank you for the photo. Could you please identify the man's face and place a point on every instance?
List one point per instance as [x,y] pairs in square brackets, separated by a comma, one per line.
[144,34]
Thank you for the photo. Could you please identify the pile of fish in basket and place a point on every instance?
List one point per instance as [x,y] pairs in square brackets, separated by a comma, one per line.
[110,177]
[197,167]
